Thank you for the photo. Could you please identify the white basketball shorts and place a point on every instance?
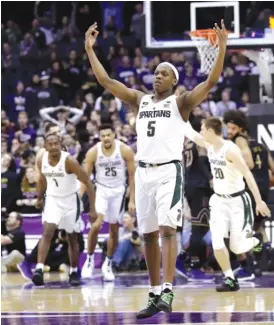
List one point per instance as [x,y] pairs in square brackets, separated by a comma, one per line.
[110,202]
[231,217]
[65,212]
[158,196]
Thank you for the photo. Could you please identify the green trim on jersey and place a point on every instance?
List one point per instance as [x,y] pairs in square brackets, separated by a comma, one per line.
[78,207]
[177,196]
[248,213]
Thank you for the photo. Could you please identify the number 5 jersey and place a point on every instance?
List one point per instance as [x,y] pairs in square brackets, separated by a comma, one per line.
[110,171]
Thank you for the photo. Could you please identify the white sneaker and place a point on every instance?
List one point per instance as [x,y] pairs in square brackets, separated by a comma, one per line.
[107,270]
[88,267]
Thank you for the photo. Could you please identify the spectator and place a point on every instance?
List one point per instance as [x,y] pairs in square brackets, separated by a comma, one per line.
[136,23]
[17,102]
[26,204]
[28,48]
[225,104]
[9,60]
[72,146]
[63,118]
[110,27]
[38,34]
[125,70]
[58,81]
[209,106]
[10,189]
[243,104]
[189,80]
[129,246]
[13,32]
[46,95]
[23,130]
[13,247]
[146,77]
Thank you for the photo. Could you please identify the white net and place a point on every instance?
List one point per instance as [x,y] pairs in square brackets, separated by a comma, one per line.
[208,53]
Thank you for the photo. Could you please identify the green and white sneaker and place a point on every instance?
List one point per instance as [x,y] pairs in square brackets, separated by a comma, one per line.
[228,285]
[151,307]
[165,302]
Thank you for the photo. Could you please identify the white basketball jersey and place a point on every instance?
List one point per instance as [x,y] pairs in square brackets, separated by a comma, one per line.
[160,131]
[59,182]
[110,171]
[226,178]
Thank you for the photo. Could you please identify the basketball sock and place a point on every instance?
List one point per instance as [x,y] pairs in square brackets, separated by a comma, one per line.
[156,290]
[40,266]
[109,260]
[167,285]
[73,269]
[90,257]
[229,274]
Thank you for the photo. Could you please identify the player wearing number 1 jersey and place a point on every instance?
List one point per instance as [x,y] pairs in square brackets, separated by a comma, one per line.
[230,207]
[111,160]
[57,194]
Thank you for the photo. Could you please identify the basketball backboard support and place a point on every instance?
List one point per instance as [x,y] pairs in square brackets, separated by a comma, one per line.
[210,12]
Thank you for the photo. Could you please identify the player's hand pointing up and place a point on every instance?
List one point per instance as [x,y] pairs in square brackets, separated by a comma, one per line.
[221,35]
[91,36]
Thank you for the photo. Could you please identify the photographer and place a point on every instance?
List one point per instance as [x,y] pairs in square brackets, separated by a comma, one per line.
[13,248]
[130,244]
[58,256]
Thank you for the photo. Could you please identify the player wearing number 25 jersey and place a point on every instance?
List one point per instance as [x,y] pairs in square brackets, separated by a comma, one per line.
[111,160]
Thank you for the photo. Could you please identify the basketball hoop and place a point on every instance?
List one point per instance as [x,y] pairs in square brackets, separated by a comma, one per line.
[205,41]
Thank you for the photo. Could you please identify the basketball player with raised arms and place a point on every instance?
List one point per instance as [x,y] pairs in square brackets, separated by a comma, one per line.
[160,124]
[111,160]
[57,194]
[230,207]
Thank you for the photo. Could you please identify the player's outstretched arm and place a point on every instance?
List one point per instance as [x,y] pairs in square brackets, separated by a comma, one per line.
[73,167]
[235,156]
[195,137]
[119,90]
[189,100]
[128,156]
[88,166]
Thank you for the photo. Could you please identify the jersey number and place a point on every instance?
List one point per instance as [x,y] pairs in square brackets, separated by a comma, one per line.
[110,171]
[218,173]
[55,181]
[258,161]
[151,129]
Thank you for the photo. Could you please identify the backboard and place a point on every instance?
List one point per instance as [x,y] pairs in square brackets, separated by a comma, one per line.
[169,22]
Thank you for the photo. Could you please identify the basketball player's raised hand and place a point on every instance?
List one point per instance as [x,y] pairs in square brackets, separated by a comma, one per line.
[221,35]
[91,36]
[263,209]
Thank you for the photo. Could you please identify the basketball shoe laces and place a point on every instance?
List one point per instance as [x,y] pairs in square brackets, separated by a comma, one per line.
[167,297]
[229,282]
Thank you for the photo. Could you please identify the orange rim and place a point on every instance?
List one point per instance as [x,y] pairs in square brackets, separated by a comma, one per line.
[208,34]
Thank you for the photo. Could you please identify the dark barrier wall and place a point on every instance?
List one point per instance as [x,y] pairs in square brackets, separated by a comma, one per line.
[261,124]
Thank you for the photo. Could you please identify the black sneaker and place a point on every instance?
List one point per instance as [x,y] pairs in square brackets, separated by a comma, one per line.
[258,249]
[74,279]
[151,308]
[165,301]
[228,285]
[38,277]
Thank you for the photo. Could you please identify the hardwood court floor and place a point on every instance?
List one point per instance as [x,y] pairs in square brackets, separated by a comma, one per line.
[98,303]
